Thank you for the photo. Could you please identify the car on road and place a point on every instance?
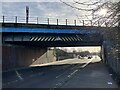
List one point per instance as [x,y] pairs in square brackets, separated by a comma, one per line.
[80,57]
[89,57]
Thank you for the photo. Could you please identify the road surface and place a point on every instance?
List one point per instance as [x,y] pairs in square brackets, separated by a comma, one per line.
[71,73]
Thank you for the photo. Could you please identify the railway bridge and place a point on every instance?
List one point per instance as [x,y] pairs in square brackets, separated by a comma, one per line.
[25,44]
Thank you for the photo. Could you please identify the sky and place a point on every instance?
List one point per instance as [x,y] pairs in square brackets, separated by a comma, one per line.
[40,9]
[78,49]
[44,9]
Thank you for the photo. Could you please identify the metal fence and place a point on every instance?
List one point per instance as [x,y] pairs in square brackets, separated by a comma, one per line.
[49,21]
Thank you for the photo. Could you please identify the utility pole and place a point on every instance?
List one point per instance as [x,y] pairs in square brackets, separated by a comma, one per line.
[27,14]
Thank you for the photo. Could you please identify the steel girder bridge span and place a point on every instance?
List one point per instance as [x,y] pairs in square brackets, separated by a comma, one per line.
[42,37]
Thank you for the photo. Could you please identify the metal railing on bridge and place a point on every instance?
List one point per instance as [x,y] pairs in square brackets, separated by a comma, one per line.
[49,21]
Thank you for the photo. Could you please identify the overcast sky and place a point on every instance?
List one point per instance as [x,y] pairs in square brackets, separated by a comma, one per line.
[42,8]
[78,49]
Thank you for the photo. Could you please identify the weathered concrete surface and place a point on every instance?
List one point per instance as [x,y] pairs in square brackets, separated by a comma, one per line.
[111,46]
[19,56]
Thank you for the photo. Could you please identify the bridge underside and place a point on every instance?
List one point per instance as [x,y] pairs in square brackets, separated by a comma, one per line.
[27,46]
[52,40]
[54,44]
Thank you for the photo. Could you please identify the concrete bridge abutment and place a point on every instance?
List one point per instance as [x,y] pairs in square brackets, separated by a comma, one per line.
[14,57]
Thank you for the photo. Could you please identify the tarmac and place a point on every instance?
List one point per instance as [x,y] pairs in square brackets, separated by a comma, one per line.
[71,73]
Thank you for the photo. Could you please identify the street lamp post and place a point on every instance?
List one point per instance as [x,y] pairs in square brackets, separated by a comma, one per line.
[27,14]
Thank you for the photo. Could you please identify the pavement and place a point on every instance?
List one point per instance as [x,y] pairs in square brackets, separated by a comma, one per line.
[71,73]
[71,61]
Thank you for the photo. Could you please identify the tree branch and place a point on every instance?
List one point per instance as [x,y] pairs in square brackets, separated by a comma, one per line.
[82,9]
[76,2]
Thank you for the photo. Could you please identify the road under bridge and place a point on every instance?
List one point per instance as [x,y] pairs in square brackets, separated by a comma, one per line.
[27,44]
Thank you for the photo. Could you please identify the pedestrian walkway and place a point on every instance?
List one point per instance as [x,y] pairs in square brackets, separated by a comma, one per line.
[93,76]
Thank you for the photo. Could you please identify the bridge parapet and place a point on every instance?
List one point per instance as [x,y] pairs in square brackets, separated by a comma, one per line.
[38,33]
[49,21]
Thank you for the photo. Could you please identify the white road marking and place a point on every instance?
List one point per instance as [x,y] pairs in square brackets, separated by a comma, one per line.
[110,83]
[86,63]
[19,76]
[72,73]
[11,82]
[69,76]
[110,74]
[60,74]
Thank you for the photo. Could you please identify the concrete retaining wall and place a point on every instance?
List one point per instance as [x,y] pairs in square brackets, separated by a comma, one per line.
[112,50]
[20,56]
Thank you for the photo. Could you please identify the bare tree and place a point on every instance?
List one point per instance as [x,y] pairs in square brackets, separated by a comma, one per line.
[111,18]
[110,11]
